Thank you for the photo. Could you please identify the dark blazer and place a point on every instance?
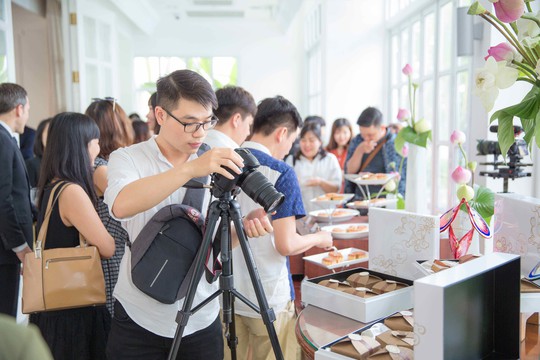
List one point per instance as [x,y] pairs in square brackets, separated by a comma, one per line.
[15,207]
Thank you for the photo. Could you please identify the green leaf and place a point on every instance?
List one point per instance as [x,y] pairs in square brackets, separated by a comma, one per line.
[483,202]
[505,134]
[476,9]
[410,136]
[528,128]
[537,129]
[400,202]
[399,142]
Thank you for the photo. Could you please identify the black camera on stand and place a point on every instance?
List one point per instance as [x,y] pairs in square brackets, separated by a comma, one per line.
[511,169]
[223,212]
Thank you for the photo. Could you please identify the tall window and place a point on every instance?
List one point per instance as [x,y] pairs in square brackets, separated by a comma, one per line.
[219,71]
[426,40]
[313,31]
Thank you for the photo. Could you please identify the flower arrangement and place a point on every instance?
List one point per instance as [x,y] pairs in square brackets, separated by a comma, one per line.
[477,201]
[518,59]
[391,187]
[479,197]
[416,132]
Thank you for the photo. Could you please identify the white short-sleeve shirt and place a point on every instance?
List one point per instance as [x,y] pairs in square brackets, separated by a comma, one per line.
[125,166]
[326,168]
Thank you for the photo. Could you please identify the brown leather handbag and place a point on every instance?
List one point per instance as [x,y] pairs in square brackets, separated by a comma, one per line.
[61,278]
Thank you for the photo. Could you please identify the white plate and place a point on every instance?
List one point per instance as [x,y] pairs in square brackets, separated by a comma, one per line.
[330,203]
[317,259]
[356,178]
[347,214]
[347,235]
[363,204]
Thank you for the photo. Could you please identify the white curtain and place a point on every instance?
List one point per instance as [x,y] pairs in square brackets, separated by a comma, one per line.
[54,22]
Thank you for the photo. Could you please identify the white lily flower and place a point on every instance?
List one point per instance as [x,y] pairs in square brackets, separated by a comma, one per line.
[527,28]
[492,77]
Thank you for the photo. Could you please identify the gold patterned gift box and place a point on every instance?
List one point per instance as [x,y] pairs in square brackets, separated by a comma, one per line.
[398,238]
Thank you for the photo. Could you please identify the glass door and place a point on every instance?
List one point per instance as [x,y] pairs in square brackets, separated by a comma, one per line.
[7,52]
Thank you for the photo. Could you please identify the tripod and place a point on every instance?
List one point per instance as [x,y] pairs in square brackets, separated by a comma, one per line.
[226,209]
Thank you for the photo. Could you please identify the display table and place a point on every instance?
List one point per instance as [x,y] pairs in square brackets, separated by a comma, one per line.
[316,327]
[310,270]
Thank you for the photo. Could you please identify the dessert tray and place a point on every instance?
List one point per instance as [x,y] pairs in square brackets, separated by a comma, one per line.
[334,215]
[364,204]
[348,231]
[360,256]
[331,199]
[369,178]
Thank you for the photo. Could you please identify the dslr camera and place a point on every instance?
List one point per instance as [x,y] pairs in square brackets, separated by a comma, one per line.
[251,181]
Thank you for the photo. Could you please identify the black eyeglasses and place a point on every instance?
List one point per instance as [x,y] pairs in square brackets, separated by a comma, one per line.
[194,127]
[107,98]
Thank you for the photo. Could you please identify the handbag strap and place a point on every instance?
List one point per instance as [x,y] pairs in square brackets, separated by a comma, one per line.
[42,236]
[372,155]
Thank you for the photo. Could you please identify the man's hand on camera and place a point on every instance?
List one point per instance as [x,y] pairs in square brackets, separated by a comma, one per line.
[367,147]
[257,223]
[215,161]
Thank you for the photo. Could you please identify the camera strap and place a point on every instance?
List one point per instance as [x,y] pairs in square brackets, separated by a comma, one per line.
[372,155]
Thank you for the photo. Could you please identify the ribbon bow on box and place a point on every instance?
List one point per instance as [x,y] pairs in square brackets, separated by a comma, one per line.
[460,247]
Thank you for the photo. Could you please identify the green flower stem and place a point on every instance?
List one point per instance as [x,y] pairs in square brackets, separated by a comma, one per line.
[413,110]
[497,24]
[410,99]
[464,155]
[526,68]
[528,6]
[514,27]
[527,80]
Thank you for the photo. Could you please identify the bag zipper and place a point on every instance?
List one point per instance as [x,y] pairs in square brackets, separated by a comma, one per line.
[67,259]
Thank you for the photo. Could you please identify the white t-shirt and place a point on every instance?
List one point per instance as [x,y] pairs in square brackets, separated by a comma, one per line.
[125,166]
[217,139]
[326,168]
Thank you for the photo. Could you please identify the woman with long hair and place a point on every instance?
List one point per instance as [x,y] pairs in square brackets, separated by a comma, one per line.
[115,132]
[72,146]
[339,140]
[317,170]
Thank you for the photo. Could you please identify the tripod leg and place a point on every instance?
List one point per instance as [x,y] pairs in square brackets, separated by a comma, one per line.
[184,314]
[267,313]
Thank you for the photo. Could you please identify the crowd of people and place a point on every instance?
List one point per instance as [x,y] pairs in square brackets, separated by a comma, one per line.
[120,171]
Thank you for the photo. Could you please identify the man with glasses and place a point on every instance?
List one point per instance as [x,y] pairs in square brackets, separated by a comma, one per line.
[236,110]
[146,177]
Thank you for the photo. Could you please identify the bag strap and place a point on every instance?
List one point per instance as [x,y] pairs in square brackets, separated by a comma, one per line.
[195,197]
[372,155]
[42,236]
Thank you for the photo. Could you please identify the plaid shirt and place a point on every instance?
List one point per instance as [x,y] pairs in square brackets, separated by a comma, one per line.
[111,266]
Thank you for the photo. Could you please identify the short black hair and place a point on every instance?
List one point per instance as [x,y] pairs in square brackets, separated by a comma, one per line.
[11,96]
[234,99]
[275,112]
[315,119]
[184,84]
[371,116]
[152,101]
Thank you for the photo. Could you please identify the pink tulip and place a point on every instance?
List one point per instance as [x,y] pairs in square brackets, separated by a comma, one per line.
[405,150]
[457,137]
[403,114]
[407,70]
[508,10]
[501,52]
[461,175]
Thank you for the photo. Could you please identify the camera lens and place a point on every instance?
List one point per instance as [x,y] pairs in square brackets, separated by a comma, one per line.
[260,190]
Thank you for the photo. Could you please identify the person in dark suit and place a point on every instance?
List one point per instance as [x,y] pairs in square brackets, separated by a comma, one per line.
[15,207]
[27,139]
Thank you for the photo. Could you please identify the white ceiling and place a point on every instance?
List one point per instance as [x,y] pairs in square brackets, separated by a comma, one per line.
[280,11]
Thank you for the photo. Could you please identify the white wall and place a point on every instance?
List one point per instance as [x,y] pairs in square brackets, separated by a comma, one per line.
[33,62]
[269,59]
[354,62]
